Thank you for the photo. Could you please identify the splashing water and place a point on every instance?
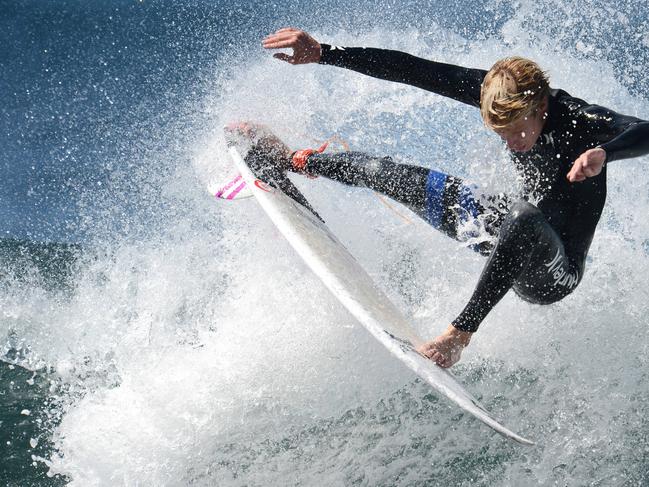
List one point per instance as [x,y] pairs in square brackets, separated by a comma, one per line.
[192,346]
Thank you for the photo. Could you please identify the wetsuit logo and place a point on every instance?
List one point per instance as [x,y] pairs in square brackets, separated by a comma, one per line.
[549,138]
[560,275]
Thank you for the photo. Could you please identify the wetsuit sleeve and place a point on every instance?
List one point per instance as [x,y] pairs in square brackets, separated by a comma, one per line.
[632,142]
[461,84]
[621,136]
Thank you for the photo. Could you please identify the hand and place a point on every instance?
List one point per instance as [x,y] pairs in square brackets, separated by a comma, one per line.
[587,165]
[305,48]
[446,349]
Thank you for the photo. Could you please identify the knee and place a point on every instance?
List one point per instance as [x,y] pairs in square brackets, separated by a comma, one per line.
[523,213]
[523,219]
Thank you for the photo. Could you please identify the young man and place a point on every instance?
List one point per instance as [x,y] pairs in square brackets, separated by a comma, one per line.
[560,145]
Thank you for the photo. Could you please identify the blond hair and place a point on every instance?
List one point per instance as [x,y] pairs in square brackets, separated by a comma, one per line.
[513,88]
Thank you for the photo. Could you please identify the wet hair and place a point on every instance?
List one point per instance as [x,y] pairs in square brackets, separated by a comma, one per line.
[514,88]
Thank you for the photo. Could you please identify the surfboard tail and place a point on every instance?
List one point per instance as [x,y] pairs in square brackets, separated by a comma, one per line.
[265,169]
[234,188]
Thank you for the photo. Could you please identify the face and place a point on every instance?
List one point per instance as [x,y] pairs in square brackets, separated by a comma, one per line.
[522,135]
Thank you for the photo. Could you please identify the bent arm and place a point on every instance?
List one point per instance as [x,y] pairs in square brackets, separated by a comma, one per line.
[457,82]
[611,136]
[621,136]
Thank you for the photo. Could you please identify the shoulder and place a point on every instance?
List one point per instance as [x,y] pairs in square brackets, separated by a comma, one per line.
[566,101]
[581,110]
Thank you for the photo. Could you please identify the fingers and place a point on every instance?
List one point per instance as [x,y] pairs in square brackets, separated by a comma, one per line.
[284,29]
[576,177]
[305,48]
[288,29]
[287,38]
[580,176]
[284,57]
[577,173]
[245,128]
[587,165]
[589,170]
[433,354]
[440,359]
[573,176]
[437,357]
[279,42]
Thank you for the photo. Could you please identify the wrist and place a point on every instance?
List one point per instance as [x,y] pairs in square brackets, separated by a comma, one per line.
[463,336]
[604,153]
[323,50]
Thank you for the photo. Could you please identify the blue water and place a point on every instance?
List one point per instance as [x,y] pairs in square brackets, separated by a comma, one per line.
[156,339]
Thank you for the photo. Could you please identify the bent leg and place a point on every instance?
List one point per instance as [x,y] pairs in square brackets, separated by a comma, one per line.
[444,201]
[530,256]
[464,214]
[401,182]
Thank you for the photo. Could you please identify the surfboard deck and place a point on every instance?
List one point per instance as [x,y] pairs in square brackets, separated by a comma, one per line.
[351,284]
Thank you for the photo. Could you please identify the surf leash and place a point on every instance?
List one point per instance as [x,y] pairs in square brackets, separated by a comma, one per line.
[299,158]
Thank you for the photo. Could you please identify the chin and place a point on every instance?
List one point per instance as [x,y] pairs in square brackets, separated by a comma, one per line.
[526,148]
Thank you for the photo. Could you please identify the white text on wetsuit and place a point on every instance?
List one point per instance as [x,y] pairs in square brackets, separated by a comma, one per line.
[559,274]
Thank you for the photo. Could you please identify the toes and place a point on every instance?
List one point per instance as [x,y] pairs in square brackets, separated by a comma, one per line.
[241,128]
[432,353]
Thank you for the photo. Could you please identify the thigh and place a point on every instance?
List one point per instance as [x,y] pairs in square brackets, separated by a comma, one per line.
[551,273]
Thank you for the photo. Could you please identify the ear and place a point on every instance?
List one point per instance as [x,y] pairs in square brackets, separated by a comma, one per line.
[543,107]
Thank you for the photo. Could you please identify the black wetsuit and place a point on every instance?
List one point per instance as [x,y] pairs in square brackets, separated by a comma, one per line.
[540,248]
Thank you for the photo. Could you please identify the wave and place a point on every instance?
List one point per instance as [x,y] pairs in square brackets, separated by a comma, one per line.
[194,348]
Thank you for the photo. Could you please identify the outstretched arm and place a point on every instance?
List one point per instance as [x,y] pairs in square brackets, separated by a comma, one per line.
[620,137]
[459,83]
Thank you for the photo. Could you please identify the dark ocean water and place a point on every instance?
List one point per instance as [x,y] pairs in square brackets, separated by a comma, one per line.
[28,406]
[99,103]
[25,418]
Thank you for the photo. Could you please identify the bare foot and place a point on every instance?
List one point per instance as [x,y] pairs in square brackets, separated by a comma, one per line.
[446,349]
[249,130]
[261,137]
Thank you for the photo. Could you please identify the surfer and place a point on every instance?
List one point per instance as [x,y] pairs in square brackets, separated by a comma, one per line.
[537,242]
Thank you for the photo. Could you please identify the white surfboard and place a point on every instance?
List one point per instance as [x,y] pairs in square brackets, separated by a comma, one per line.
[355,289]
[233,188]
